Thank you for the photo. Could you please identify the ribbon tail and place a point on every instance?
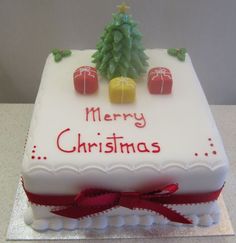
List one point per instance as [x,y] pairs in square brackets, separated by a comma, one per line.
[169,213]
[77,212]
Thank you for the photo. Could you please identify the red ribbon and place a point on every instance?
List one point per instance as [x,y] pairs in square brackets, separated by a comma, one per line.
[92,201]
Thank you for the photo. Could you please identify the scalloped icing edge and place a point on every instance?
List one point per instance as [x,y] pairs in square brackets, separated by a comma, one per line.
[103,221]
[165,165]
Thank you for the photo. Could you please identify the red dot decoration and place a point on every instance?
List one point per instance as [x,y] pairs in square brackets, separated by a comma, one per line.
[211,144]
[34,154]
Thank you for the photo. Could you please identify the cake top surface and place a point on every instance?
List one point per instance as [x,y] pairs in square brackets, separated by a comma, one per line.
[77,132]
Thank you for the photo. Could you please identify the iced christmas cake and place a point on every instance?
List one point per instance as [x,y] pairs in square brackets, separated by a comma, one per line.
[115,144]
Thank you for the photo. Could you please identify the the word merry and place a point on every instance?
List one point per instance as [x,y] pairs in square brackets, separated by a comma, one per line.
[95,115]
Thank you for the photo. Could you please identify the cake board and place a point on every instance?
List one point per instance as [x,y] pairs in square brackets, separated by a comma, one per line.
[18,230]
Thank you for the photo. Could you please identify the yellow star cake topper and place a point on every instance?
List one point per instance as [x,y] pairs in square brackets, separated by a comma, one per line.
[123,7]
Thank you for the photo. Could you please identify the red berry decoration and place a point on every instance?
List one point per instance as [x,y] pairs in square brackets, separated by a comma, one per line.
[160,80]
[86,80]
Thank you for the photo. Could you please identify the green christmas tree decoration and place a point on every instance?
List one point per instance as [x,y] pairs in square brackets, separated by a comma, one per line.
[179,53]
[120,51]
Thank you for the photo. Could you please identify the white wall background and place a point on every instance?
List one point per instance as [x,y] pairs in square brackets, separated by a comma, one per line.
[30,29]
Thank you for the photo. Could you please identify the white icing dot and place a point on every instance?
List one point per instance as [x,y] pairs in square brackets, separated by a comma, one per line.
[85,223]
[116,221]
[28,216]
[146,220]
[176,224]
[159,219]
[99,222]
[70,224]
[56,224]
[215,218]
[205,220]
[132,220]
[194,219]
[40,224]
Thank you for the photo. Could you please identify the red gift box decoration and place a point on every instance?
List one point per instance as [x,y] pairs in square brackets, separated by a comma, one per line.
[159,80]
[86,80]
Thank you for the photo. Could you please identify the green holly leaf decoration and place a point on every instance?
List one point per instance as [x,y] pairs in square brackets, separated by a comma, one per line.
[66,53]
[181,56]
[172,51]
[58,57]
[59,54]
[55,51]
[183,50]
[179,53]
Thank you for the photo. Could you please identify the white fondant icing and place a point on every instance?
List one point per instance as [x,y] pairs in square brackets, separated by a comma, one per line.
[194,219]
[205,220]
[28,216]
[56,224]
[106,220]
[181,123]
[116,221]
[146,220]
[70,224]
[159,219]
[84,223]
[99,222]
[216,217]
[131,220]
[41,224]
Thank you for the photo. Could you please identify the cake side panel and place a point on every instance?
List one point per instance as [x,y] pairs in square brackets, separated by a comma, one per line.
[224,156]
[30,147]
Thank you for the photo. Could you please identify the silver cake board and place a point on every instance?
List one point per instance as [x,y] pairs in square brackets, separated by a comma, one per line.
[18,230]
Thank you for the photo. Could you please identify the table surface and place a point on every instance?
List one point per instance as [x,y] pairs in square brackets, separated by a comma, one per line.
[14,124]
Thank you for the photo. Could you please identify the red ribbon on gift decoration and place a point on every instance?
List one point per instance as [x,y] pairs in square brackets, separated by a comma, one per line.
[93,201]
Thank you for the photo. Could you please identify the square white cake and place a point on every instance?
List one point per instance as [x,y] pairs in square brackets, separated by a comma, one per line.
[78,142]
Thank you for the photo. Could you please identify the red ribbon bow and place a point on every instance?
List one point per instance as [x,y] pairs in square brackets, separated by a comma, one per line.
[93,201]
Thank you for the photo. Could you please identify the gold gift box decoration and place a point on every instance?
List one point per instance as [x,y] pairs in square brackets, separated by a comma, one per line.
[122,90]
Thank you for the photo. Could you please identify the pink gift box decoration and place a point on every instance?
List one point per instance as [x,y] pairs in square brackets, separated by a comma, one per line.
[160,80]
[86,80]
